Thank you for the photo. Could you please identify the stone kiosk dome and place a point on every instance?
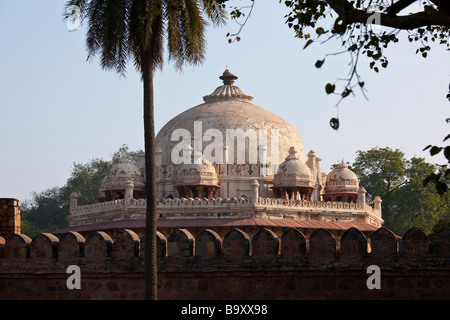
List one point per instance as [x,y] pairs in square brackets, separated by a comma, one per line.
[294,179]
[229,164]
[197,180]
[120,176]
[342,185]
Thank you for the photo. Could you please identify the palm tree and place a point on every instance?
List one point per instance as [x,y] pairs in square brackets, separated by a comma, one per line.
[120,30]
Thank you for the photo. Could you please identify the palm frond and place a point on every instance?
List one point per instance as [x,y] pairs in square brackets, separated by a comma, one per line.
[215,11]
[94,34]
[114,36]
[119,30]
[81,4]
[191,39]
[146,29]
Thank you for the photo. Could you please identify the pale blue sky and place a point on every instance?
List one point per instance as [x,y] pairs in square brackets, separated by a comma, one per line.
[56,108]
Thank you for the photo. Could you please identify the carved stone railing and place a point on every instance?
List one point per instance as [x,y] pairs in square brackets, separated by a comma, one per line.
[221,203]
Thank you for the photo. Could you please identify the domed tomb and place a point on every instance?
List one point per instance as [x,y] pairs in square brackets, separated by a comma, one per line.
[121,176]
[294,179]
[236,153]
[342,185]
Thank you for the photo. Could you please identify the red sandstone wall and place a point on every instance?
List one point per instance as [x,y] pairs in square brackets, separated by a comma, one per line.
[9,217]
[235,267]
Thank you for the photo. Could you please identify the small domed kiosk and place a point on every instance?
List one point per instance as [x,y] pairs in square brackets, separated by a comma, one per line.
[342,185]
[294,179]
[121,176]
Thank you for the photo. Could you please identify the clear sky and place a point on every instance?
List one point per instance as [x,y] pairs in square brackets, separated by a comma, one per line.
[56,108]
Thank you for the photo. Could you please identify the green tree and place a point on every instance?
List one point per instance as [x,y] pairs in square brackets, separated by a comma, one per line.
[29,229]
[136,29]
[414,204]
[381,171]
[85,180]
[124,153]
[398,181]
[440,178]
[48,210]
[441,224]
[45,212]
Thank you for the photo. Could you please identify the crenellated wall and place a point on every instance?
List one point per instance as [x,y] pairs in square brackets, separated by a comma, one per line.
[235,266]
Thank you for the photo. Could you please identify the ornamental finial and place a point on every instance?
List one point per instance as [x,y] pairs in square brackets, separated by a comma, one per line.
[227,77]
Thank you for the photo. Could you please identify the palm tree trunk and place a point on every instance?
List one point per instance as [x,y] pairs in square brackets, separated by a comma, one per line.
[151,267]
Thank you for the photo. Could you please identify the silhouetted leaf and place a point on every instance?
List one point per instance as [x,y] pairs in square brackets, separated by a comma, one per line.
[346,92]
[448,136]
[427,147]
[435,150]
[339,28]
[353,47]
[432,177]
[447,153]
[334,123]
[329,88]
[308,43]
[319,63]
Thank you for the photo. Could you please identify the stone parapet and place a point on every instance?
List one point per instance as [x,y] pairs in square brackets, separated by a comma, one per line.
[235,266]
[196,207]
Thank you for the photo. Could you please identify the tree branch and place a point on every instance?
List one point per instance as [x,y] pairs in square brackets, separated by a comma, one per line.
[350,15]
[399,6]
[397,187]
[443,5]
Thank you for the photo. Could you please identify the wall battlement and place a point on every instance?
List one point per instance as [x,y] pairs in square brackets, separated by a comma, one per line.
[235,266]
[46,247]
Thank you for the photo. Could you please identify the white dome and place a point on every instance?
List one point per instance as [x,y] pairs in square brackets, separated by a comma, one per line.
[293,171]
[197,173]
[341,179]
[120,175]
[228,107]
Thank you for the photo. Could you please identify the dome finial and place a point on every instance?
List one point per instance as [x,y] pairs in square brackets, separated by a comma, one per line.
[292,154]
[227,77]
[227,91]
